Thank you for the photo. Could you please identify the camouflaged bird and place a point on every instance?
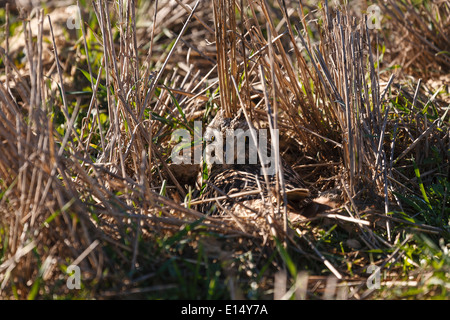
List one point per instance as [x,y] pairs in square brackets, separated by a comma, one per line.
[247,180]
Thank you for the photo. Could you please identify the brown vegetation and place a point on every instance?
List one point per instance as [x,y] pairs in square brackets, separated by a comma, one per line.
[85,173]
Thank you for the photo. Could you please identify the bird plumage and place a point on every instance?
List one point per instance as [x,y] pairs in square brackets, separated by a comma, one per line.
[247,179]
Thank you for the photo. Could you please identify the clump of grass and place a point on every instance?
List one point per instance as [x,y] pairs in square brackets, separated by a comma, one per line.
[420,34]
[86,178]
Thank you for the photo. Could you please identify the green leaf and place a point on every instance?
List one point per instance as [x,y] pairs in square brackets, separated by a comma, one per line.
[180,110]
[34,289]
[287,259]
[88,76]
[422,188]
[57,212]
[163,188]
[161,119]
[79,93]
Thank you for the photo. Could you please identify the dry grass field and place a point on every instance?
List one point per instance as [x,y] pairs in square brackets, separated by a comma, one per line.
[93,207]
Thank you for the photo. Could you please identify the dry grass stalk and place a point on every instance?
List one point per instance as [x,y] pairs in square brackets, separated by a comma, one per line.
[69,202]
[52,178]
[422,36]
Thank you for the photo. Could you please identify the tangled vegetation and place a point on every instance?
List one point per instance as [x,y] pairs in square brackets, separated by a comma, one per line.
[89,98]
